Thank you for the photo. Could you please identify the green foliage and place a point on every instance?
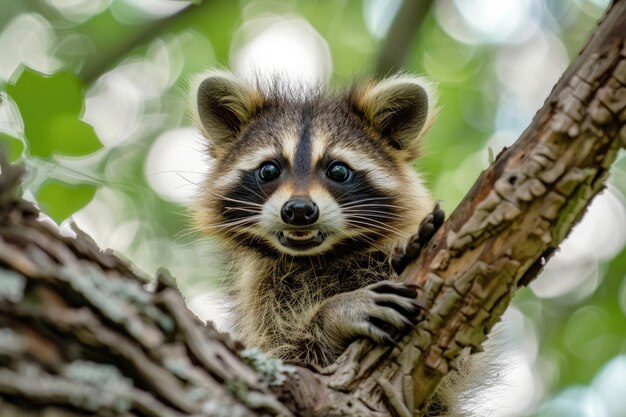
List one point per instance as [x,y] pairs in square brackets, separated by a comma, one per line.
[60,200]
[50,107]
[14,147]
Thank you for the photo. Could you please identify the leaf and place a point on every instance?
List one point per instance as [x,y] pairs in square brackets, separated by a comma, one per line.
[14,147]
[490,157]
[50,107]
[60,200]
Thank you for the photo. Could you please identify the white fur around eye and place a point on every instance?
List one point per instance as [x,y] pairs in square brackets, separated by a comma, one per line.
[256,158]
[361,162]
[224,180]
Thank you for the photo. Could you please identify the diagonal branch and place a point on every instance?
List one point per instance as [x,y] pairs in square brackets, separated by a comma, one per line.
[106,59]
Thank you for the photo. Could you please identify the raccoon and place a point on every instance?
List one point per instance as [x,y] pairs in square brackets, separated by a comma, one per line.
[312,191]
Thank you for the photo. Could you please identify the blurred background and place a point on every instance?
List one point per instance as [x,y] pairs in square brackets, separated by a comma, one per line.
[93,99]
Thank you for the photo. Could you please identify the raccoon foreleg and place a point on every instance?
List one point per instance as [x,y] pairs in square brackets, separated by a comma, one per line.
[402,256]
[382,312]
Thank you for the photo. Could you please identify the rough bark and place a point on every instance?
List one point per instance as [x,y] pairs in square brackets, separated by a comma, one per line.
[81,333]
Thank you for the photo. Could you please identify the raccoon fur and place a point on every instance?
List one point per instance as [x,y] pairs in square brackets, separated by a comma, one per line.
[310,190]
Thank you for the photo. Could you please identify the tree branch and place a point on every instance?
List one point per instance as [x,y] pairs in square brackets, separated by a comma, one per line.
[146,33]
[80,333]
[399,40]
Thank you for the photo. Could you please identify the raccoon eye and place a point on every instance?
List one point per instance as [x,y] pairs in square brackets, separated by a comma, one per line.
[269,171]
[338,171]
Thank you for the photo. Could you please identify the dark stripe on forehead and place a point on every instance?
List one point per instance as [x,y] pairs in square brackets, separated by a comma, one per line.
[302,158]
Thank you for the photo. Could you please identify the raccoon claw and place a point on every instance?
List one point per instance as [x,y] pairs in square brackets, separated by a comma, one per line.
[390,287]
[382,312]
[401,257]
[400,312]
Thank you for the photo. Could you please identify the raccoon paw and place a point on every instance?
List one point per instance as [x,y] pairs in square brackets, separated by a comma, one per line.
[382,312]
[401,257]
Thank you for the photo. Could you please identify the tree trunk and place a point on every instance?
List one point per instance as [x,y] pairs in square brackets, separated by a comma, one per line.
[81,333]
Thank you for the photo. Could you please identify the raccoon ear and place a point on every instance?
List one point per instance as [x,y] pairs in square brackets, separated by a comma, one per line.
[400,108]
[223,104]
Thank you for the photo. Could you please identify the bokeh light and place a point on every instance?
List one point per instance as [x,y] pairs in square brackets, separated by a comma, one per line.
[574,273]
[378,15]
[27,40]
[177,164]
[284,46]
[79,10]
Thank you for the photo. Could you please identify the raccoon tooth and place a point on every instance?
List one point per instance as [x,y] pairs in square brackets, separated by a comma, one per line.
[303,235]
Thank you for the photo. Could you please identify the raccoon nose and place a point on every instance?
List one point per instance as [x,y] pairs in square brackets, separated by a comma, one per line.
[300,212]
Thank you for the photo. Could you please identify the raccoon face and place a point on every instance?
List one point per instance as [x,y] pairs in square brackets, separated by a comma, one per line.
[309,174]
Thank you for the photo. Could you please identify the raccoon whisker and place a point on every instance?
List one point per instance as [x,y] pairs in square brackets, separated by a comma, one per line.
[363,238]
[235,200]
[381,225]
[375,205]
[241,232]
[372,200]
[184,245]
[248,223]
[378,219]
[367,239]
[386,210]
[243,203]
[251,208]
[340,196]
[341,230]
[264,231]
[365,225]
[247,210]
[383,217]
[187,179]
[372,242]
[363,200]
[184,233]
[371,204]
[365,228]
[377,213]
[187,214]
[254,238]
[225,233]
[265,196]
[234,223]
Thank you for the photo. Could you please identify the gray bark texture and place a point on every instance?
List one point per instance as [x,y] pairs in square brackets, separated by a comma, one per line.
[83,333]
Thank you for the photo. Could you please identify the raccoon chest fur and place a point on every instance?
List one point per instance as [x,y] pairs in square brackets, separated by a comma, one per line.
[276,303]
